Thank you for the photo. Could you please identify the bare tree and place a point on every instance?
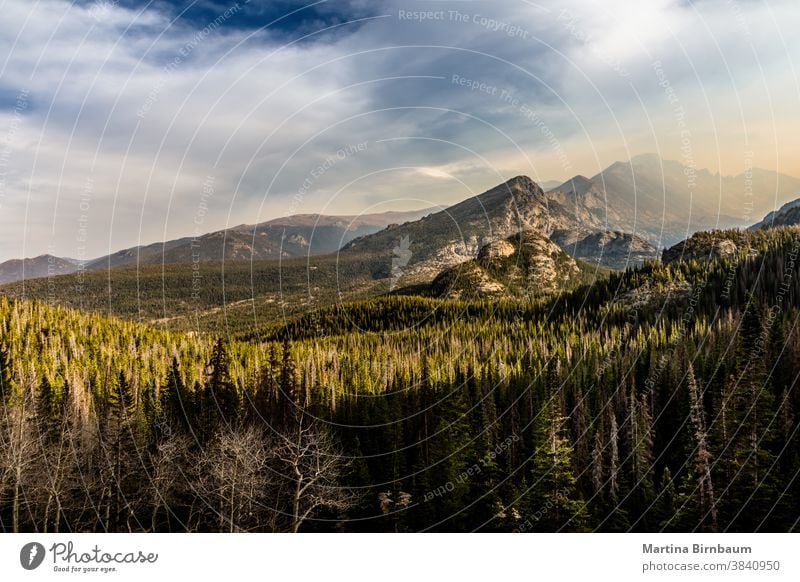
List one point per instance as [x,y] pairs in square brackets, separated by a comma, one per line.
[19,450]
[702,458]
[55,476]
[311,462]
[167,476]
[232,478]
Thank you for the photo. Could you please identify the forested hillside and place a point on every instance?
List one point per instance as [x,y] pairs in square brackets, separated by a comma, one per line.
[219,297]
[662,398]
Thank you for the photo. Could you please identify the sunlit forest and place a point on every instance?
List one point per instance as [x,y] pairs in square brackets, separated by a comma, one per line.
[661,398]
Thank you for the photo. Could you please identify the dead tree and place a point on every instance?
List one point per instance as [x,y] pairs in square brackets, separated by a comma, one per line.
[19,456]
[167,475]
[311,463]
[232,478]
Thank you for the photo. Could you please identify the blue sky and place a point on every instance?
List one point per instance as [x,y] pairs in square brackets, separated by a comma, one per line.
[287,18]
[115,117]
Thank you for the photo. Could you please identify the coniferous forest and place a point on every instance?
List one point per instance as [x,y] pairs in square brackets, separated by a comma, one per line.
[662,398]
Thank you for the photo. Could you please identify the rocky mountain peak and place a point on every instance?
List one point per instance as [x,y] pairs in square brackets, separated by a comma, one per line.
[610,248]
[522,183]
[786,215]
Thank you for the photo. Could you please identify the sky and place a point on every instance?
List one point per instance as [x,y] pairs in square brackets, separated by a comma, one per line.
[135,121]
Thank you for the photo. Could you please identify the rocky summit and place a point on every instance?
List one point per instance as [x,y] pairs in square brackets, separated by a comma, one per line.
[524,264]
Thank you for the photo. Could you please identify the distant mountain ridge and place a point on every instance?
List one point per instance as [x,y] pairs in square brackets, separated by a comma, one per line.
[281,238]
[664,200]
[617,218]
[41,266]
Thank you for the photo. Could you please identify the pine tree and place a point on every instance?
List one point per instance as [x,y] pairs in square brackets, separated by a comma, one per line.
[664,510]
[610,514]
[221,396]
[640,452]
[597,466]
[582,439]
[746,457]
[266,398]
[291,403]
[47,412]
[450,459]
[175,403]
[6,384]
[121,402]
[485,499]
[120,447]
[553,502]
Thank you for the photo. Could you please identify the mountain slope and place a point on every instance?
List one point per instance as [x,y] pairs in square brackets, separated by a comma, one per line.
[145,255]
[612,249]
[42,266]
[361,366]
[786,215]
[293,236]
[224,297]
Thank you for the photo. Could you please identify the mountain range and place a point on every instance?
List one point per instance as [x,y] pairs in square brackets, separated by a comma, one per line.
[444,239]
[665,201]
[618,218]
[282,238]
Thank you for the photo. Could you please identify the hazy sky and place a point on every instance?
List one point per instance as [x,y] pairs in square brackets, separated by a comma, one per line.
[140,120]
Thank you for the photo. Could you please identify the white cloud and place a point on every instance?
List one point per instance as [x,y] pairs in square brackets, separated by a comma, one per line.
[110,114]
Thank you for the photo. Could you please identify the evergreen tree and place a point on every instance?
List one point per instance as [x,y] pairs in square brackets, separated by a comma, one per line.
[612,515]
[290,400]
[553,501]
[746,459]
[6,385]
[449,449]
[175,402]
[665,509]
[266,399]
[47,411]
[120,448]
[221,402]
[640,454]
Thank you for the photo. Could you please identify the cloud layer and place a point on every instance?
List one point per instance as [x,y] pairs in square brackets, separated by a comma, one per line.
[118,119]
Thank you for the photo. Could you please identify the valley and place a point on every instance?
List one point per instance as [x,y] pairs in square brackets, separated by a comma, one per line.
[478,347]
